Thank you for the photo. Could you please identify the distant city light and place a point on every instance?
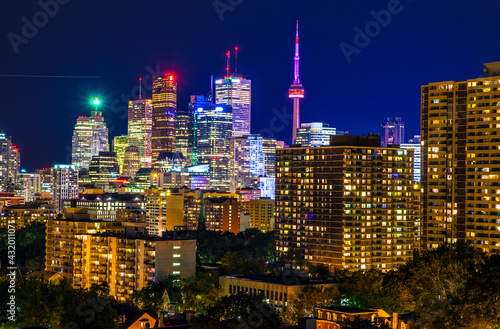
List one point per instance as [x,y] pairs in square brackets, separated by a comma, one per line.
[96,101]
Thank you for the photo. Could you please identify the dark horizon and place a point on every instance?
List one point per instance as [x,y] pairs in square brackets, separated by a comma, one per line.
[418,43]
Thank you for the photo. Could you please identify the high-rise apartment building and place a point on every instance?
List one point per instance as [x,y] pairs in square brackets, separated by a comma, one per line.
[414,144]
[116,253]
[140,121]
[64,184]
[348,205]
[236,92]
[315,134]
[165,211]
[90,137]
[214,135]
[261,213]
[393,132]
[251,156]
[222,214]
[461,161]
[120,143]
[163,114]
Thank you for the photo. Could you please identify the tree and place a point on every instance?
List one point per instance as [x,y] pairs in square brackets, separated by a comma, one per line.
[150,297]
[309,298]
[371,289]
[239,311]
[57,305]
[234,263]
[201,292]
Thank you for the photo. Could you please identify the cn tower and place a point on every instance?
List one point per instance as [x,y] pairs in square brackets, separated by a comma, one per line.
[296,91]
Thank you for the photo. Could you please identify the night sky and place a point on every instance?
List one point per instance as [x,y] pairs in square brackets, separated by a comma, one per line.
[120,41]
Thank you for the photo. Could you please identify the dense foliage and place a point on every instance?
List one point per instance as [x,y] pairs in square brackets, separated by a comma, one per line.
[454,286]
[57,305]
[30,247]
[239,311]
[244,253]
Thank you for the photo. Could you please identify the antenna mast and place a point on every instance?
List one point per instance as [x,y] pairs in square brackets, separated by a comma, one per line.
[236,61]
[228,54]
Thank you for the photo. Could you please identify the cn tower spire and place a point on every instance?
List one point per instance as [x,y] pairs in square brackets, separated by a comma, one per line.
[296,80]
[296,91]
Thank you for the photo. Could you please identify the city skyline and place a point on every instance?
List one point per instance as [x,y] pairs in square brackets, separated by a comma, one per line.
[265,44]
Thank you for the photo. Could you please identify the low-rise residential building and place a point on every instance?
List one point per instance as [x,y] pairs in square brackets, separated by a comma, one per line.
[278,291]
[333,317]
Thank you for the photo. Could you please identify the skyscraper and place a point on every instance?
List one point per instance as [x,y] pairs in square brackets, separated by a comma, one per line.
[195,102]
[140,123]
[10,162]
[236,92]
[251,156]
[393,132]
[460,161]
[32,185]
[131,161]
[120,143]
[348,205]
[315,134]
[90,137]
[104,170]
[296,91]
[164,108]
[64,184]
[214,124]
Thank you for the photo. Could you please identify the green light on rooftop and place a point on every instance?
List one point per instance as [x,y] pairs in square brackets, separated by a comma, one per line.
[96,101]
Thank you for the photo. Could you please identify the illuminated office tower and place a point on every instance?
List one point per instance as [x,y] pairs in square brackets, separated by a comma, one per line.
[104,170]
[414,144]
[10,162]
[251,156]
[214,134]
[461,161]
[296,91]
[64,184]
[236,92]
[32,185]
[90,137]
[120,143]
[393,132]
[164,107]
[184,133]
[348,205]
[315,134]
[195,102]
[131,161]
[46,177]
[140,123]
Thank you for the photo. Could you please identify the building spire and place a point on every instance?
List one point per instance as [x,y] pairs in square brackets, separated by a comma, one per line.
[296,91]
[296,80]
